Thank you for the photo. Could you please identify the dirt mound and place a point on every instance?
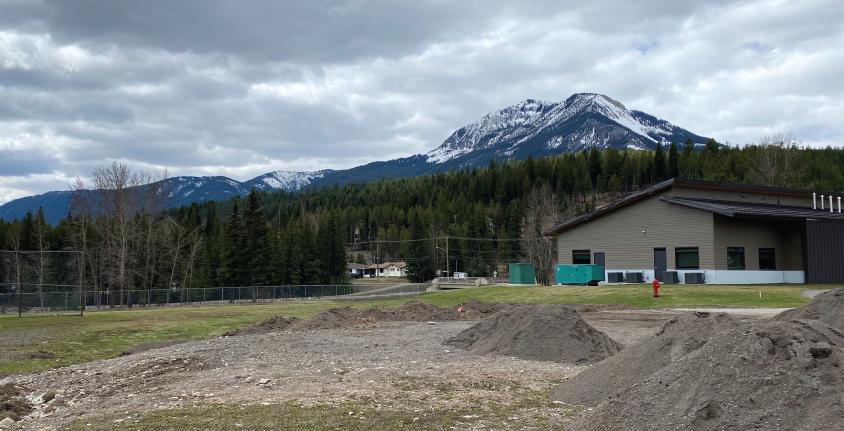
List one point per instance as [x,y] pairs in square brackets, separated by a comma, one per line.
[774,375]
[540,332]
[675,339]
[474,309]
[275,323]
[412,311]
[827,307]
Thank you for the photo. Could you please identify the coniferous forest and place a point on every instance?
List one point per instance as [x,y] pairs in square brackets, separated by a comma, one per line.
[472,221]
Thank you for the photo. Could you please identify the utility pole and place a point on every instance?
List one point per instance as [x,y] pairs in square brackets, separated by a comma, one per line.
[447,272]
[81,284]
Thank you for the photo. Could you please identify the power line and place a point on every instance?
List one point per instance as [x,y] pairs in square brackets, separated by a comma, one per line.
[448,237]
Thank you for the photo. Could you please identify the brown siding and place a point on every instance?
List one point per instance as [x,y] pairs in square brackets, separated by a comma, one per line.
[619,235]
[785,237]
[697,193]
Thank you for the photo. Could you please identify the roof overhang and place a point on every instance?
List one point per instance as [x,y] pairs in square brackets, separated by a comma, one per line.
[692,184]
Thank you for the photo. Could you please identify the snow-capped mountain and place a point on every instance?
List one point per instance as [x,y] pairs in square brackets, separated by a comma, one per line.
[582,121]
[286,180]
[181,190]
[530,128]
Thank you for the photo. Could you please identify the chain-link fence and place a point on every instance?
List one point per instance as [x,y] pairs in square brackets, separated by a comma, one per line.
[69,298]
[42,280]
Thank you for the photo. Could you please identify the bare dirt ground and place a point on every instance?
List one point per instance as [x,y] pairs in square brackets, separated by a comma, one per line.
[386,363]
[390,364]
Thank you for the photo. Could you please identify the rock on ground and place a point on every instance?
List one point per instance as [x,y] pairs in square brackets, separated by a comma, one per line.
[538,332]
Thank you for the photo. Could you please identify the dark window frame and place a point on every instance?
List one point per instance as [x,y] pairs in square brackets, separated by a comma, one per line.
[577,260]
[732,264]
[682,250]
[773,259]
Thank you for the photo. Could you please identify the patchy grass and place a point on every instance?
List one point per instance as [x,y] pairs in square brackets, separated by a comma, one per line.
[532,412]
[38,342]
[638,295]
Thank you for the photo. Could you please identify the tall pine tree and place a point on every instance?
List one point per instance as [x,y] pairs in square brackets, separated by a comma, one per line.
[673,161]
[257,249]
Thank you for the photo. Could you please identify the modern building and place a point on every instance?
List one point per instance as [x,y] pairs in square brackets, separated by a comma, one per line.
[729,233]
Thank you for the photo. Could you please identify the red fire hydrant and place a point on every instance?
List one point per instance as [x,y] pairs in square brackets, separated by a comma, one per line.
[656,288]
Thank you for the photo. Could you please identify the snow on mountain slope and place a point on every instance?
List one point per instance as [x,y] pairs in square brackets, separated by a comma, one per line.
[581,121]
[286,180]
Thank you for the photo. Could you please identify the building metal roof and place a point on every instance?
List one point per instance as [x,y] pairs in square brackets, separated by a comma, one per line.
[704,185]
[755,210]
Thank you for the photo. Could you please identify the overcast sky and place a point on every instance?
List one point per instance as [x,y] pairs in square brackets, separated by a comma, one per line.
[240,88]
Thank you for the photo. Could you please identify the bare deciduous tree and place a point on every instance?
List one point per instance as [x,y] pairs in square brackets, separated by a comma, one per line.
[541,211]
[123,194]
[775,163]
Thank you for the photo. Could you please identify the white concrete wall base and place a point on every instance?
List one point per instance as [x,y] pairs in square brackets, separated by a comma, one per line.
[714,276]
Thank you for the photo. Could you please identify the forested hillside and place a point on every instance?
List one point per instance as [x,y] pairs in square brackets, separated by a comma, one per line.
[491,216]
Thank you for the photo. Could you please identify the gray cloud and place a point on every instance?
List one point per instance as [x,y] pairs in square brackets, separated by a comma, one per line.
[240,88]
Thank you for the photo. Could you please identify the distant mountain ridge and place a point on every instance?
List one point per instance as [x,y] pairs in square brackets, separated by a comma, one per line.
[529,128]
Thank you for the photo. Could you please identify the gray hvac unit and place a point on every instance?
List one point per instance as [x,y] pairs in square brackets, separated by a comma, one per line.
[615,277]
[634,277]
[695,278]
[670,277]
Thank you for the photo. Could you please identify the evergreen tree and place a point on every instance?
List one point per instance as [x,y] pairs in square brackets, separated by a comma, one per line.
[659,163]
[673,161]
[232,273]
[421,266]
[256,243]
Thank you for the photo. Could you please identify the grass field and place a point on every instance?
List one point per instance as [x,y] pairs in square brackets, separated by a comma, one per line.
[38,342]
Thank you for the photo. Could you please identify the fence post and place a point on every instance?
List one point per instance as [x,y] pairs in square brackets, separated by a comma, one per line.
[65,301]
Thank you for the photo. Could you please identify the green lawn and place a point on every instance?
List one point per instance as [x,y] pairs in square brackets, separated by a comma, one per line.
[38,342]
[639,295]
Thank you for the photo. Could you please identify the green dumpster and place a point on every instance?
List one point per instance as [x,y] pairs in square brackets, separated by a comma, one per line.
[522,273]
[578,274]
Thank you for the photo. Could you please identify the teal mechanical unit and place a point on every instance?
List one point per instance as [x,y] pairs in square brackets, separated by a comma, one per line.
[578,274]
[522,273]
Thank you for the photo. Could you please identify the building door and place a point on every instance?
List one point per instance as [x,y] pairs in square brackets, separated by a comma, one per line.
[600,259]
[660,262]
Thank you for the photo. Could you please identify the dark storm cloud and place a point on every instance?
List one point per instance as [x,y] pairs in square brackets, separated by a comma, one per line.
[243,87]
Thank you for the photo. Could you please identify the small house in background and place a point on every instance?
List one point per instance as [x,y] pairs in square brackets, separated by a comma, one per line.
[356,270]
[386,269]
[686,231]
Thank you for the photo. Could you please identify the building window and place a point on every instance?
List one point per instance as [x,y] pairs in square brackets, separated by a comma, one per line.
[579,257]
[687,258]
[735,257]
[767,258]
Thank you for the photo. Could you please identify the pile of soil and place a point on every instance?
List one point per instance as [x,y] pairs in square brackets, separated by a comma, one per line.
[772,375]
[13,403]
[412,311]
[539,332]
[676,338]
[827,307]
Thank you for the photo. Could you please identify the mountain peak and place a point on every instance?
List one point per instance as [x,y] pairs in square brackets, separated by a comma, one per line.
[581,121]
[594,99]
